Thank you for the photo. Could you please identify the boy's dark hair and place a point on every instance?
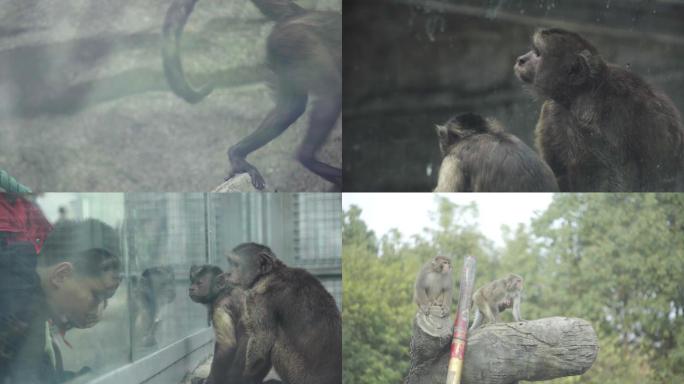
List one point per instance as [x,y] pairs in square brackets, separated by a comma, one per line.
[92,246]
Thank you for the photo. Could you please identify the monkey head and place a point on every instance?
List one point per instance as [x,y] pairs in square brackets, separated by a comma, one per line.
[206,281]
[249,262]
[560,64]
[514,282]
[441,264]
[461,126]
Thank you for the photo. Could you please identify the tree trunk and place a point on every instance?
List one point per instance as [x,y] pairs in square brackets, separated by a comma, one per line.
[505,353]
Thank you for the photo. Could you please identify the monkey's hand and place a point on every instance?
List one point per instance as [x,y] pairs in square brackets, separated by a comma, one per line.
[242,166]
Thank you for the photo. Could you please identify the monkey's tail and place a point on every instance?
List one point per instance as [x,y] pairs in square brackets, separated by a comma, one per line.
[176,18]
[278,9]
[10,184]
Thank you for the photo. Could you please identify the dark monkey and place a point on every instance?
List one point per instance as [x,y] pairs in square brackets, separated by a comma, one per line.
[208,286]
[495,297]
[434,285]
[150,292]
[291,319]
[478,156]
[304,51]
[601,128]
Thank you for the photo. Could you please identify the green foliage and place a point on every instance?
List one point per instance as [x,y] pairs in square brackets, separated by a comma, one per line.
[616,260]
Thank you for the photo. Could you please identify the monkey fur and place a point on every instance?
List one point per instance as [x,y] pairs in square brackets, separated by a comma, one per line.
[601,128]
[496,296]
[304,52]
[291,319]
[434,286]
[478,156]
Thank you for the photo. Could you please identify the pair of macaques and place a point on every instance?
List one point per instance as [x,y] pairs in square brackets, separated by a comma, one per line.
[434,286]
[601,128]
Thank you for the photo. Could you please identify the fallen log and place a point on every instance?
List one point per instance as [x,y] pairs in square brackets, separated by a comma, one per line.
[505,353]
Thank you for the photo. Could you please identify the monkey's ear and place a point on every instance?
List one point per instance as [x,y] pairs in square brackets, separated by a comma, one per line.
[265,263]
[221,281]
[442,131]
[580,69]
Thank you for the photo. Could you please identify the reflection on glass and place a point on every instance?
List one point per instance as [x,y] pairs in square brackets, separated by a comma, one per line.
[127,295]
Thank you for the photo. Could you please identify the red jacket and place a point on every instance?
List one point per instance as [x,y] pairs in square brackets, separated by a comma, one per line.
[23,220]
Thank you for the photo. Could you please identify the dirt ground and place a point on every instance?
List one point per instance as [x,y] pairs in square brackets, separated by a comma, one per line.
[84,105]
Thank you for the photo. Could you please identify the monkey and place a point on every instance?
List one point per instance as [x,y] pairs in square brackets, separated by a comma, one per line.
[154,289]
[495,297]
[434,285]
[224,302]
[601,128]
[478,156]
[290,317]
[304,52]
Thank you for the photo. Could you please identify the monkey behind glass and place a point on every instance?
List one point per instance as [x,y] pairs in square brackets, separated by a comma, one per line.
[478,156]
[494,297]
[208,286]
[601,128]
[434,286]
[304,52]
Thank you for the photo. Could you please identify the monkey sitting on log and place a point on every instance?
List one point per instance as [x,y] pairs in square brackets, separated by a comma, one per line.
[291,319]
[601,128]
[478,156]
[495,297]
[304,51]
[208,285]
[434,285]
[154,289]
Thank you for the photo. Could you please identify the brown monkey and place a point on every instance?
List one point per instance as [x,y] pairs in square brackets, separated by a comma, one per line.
[208,286]
[434,285]
[304,51]
[149,293]
[478,156]
[496,296]
[291,319]
[601,128]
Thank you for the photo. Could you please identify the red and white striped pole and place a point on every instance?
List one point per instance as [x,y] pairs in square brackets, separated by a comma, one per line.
[458,343]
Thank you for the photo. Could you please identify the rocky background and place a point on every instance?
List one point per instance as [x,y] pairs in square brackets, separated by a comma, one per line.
[409,64]
[84,105]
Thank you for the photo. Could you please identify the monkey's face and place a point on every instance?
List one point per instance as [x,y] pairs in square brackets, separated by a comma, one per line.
[441,265]
[200,289]
[559,63]
[514,282]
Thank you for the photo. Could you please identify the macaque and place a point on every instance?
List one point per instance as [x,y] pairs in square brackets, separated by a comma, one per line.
[290,318]
[495,297]
[434,285]
[602,128]
[208,286]
[154,289]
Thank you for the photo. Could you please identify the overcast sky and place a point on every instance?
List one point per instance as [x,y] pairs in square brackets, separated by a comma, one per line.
[409,212]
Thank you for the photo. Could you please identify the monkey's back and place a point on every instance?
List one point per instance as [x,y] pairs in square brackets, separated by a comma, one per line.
[308,49]
[500,162]
[311,326]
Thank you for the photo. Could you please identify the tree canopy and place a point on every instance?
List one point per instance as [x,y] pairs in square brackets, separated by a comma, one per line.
[615,260]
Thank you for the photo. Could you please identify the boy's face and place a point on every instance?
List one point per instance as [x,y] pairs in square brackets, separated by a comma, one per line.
[80,299]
